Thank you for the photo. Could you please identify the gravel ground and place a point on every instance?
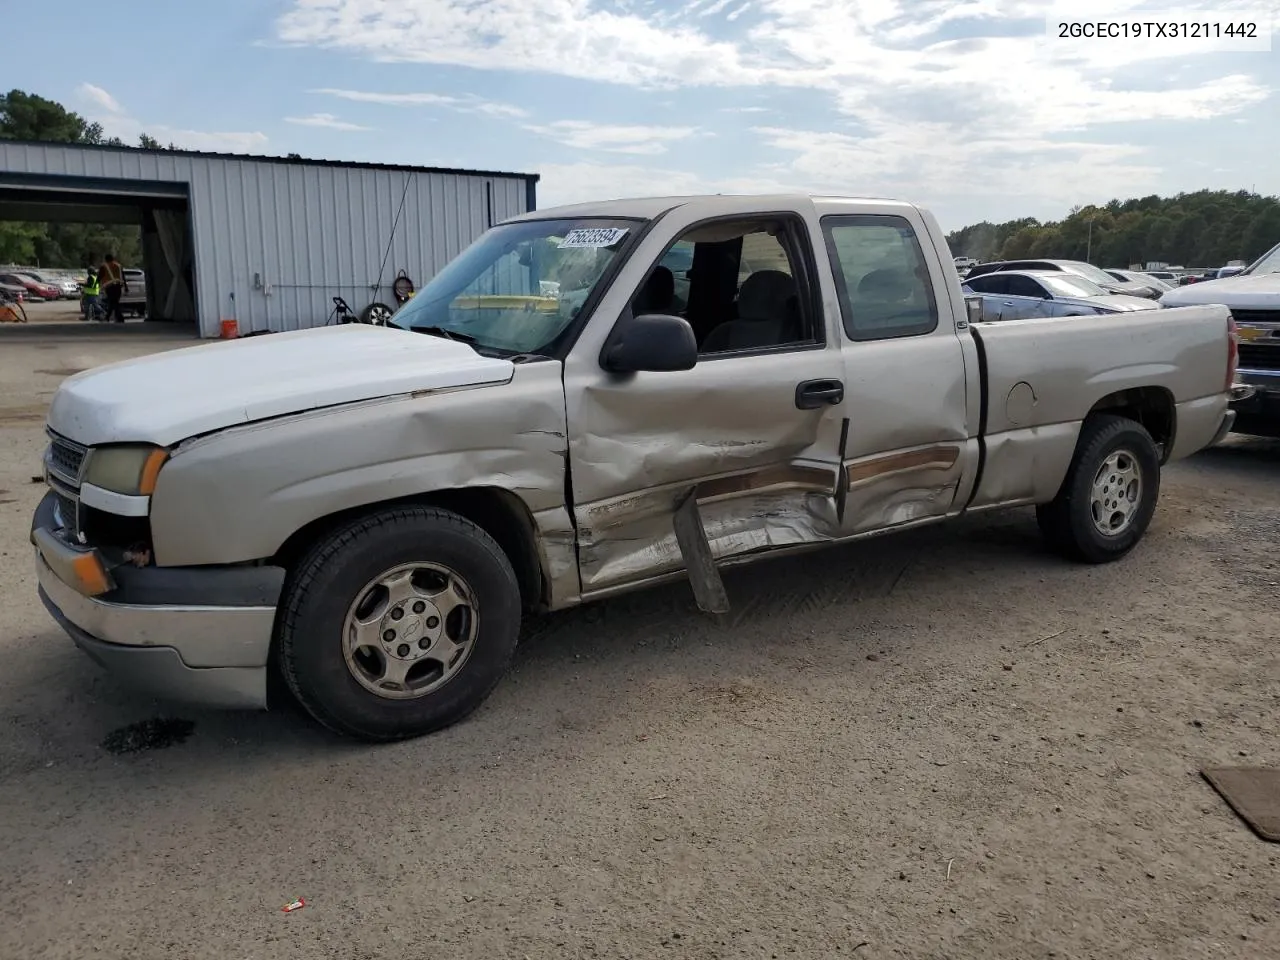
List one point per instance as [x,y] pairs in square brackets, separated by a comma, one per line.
[942,744]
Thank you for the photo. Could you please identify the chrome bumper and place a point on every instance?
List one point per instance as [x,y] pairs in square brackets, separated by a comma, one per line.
[147,630]
[1228,421]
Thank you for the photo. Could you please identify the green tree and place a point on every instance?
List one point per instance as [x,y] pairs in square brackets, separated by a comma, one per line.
[26,116]
[1159,242]
[1204,229]
[18,241]
[148,142]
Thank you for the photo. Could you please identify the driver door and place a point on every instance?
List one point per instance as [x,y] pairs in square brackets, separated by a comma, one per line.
[752,431]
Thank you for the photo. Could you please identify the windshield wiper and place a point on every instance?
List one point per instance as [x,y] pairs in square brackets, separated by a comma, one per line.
[445,334]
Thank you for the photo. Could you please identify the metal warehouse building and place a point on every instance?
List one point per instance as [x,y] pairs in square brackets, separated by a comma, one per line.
[266,241]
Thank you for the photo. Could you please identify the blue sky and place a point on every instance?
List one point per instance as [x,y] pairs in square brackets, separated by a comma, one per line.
[964,105]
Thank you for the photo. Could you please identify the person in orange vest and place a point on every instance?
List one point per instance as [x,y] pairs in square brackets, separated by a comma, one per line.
[111,277]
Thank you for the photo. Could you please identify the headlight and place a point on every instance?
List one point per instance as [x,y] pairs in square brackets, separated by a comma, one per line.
[128,468]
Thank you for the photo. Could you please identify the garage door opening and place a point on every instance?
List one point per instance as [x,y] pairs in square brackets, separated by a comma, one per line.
[149,221]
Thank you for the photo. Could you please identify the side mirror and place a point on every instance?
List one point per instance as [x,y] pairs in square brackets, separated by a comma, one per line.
[654,342]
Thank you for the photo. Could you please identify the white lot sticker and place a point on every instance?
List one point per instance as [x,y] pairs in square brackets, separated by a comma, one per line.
[593,237]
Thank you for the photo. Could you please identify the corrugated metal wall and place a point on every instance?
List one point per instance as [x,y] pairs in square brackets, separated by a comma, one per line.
[275,241]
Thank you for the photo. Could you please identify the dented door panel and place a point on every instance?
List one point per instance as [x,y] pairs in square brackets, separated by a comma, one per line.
[912,444]
[763,471]
[909,449]
[728,432]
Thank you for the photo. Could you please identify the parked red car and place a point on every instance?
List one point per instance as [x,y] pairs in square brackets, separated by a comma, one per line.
[35,289]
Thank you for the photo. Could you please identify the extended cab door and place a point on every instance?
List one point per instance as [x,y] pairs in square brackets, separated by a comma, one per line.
[911,381]
[752,430]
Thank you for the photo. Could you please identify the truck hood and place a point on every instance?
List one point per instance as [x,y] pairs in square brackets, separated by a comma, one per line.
[168,397]
[1255,291]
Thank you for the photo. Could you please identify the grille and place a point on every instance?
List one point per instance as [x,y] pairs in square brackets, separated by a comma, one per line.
[65,459]
[1255,316]
[68,512]
[1260,357]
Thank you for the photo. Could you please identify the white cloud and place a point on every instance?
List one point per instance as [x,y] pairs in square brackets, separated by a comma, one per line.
[470,104]
[99,97]
[326,120]
[574,38]
[579,182]
[118,122]
[612,138]
[210,140]
[918,112]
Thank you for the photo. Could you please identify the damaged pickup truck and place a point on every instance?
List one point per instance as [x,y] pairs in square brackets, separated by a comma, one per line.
[587,400]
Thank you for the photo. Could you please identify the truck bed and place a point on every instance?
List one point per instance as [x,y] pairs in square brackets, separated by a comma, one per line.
[1039,376]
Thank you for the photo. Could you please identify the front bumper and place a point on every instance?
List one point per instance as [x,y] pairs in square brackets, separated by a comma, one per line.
[1258,411]
[199,635]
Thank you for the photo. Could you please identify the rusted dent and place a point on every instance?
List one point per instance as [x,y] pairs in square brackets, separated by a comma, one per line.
[782,477]
[940,457]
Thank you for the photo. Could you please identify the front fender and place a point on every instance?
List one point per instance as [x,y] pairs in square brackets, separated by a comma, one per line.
[238,495]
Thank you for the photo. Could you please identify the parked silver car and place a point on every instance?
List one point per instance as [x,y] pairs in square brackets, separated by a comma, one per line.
[1155,285]
[1015,295]
[1076,267]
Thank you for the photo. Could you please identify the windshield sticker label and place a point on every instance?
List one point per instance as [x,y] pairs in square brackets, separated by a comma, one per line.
[593,237]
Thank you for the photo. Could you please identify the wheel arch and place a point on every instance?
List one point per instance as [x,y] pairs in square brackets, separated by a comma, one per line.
[498,512]
[1151,406]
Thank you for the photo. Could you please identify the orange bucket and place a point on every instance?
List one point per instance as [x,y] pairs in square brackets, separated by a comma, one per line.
[230,329]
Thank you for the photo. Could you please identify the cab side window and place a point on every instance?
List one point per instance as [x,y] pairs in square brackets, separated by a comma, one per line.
[882,277]
[740,284]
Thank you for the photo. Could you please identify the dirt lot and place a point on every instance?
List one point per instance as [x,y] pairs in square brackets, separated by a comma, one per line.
[944,744]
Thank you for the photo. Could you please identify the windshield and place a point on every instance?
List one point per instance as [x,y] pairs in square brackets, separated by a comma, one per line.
[1090,272]
[1065,285]
[520,285]
[1270,262]
[1153,281]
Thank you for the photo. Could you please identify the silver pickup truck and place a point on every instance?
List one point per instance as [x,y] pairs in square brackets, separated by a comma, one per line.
[1253,297]
[368,512]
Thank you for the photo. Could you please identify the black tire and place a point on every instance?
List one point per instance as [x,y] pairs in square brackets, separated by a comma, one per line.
[327,581]
[1067,522]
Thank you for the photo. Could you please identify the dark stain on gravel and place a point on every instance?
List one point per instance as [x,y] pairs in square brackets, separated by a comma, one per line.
[63,371]
[155,733]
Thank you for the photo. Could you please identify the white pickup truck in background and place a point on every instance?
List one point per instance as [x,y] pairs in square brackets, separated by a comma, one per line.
[1253,297]
[586,401]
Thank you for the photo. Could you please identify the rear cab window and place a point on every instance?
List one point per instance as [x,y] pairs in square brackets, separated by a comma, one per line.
[882,276]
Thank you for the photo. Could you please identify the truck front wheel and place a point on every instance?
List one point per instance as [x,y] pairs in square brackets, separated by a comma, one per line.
[1107,500]
[398,624]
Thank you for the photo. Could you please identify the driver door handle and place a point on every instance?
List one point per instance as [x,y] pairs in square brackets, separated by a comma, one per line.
[814,394]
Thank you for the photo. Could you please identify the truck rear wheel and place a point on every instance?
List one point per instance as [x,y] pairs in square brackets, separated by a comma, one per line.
[398,624]
[1109,495]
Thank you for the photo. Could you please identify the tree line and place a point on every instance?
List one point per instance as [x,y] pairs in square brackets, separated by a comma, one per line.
[1207,228]
[26,116]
